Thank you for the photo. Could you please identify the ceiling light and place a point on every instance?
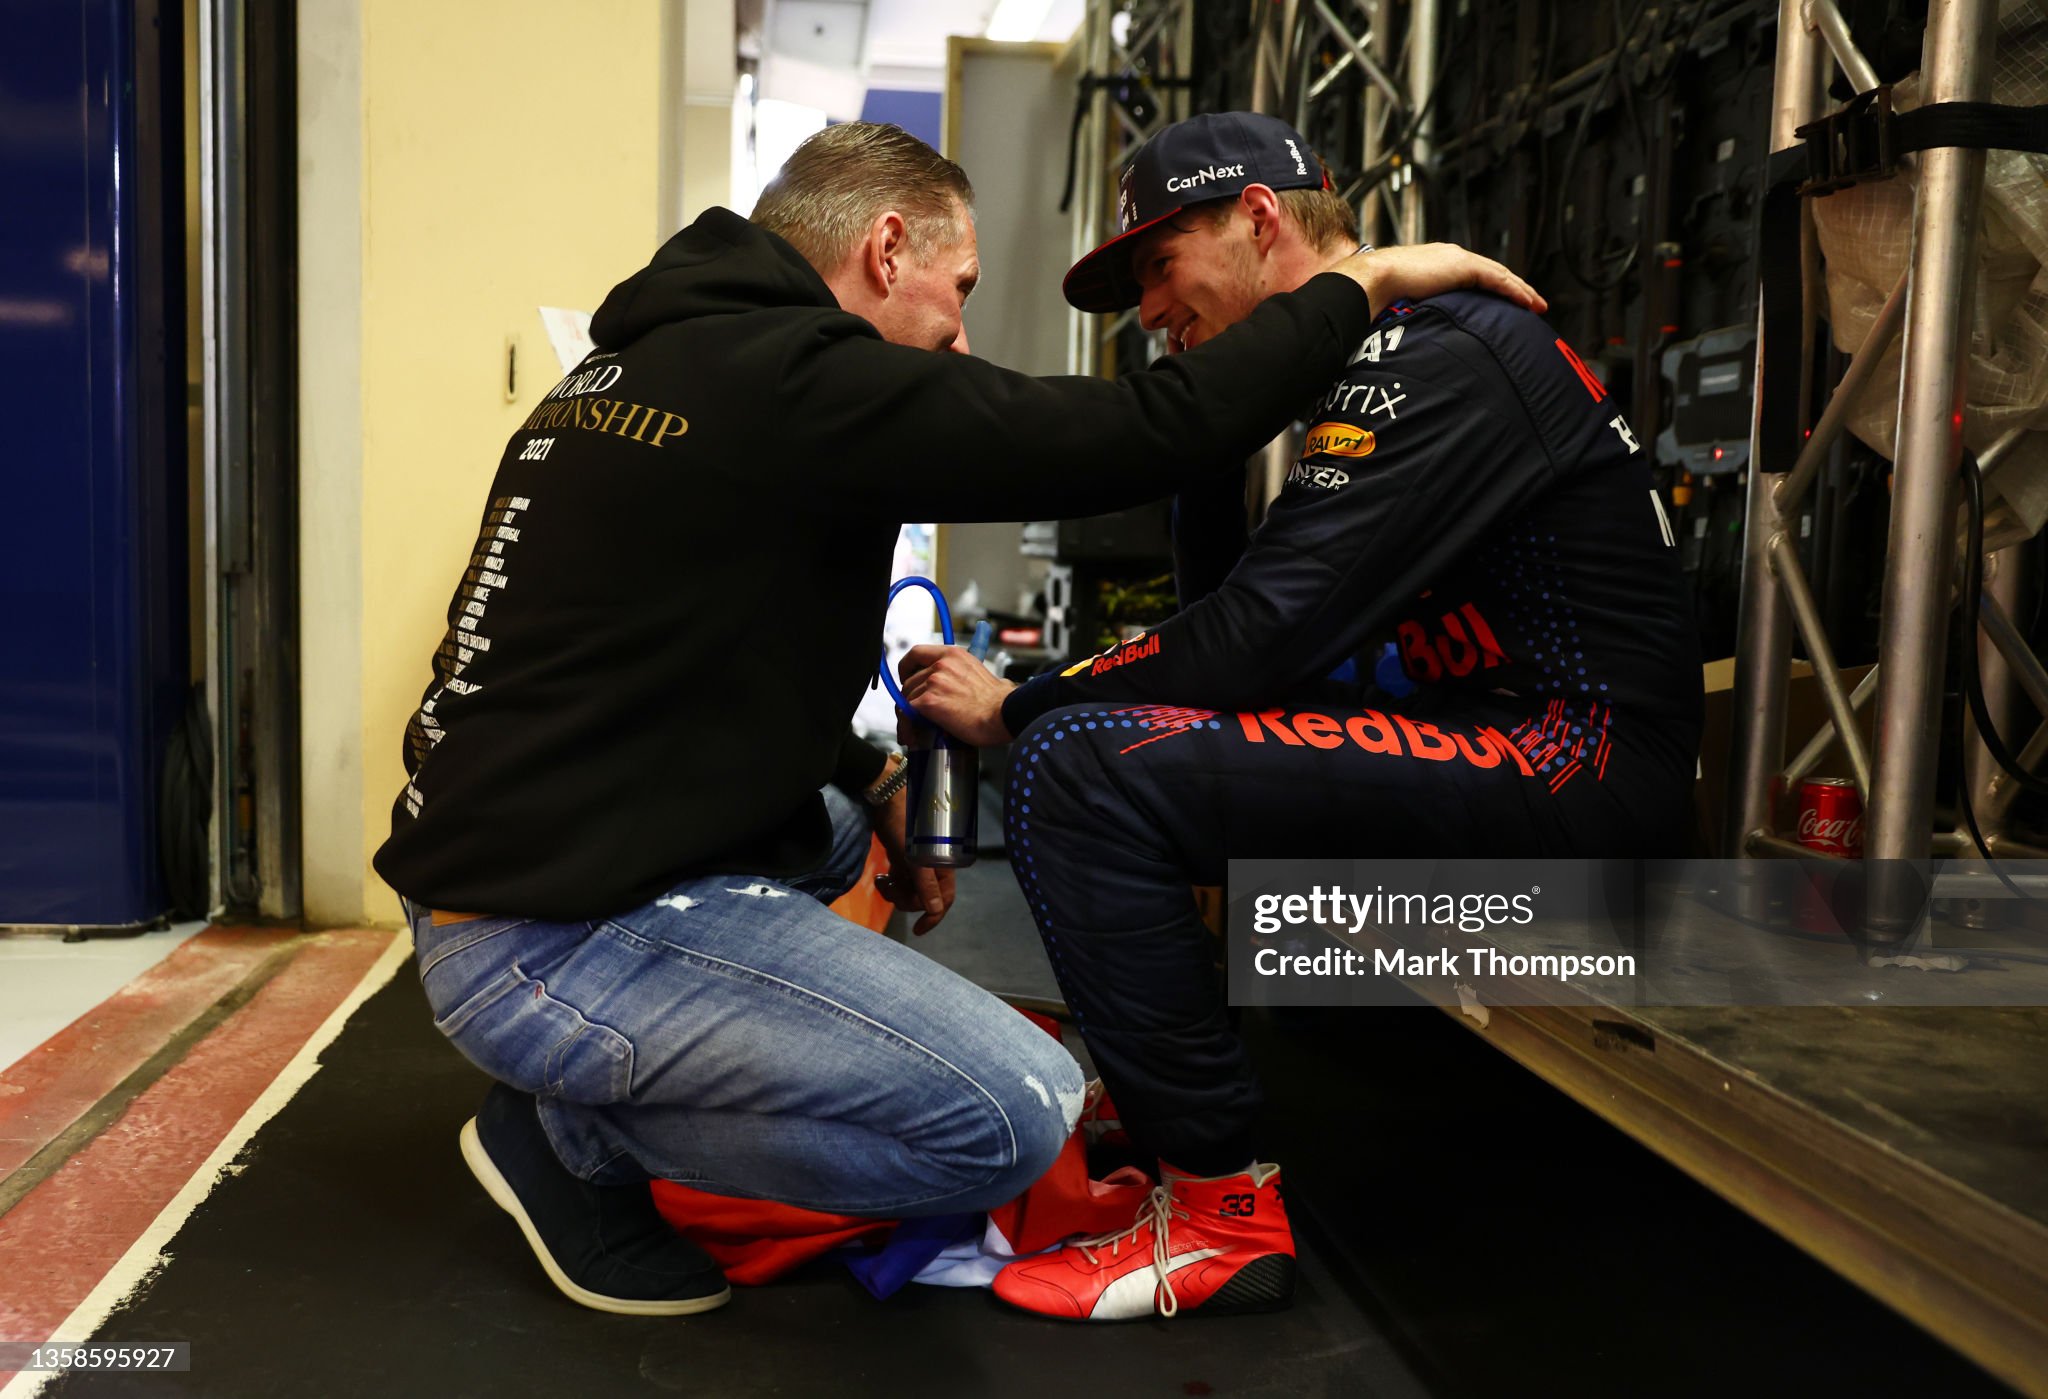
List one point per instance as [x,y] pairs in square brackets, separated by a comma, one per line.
[1017,21]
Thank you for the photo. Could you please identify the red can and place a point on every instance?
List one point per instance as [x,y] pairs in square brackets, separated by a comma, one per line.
[1831,816]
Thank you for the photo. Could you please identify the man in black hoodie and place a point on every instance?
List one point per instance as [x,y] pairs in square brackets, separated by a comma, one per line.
[613,846]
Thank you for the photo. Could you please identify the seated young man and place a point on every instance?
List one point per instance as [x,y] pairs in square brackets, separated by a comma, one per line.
[1466,487]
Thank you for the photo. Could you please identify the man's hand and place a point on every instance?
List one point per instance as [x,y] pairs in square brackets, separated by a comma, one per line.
[948,686]
[1422,270]
[910,887]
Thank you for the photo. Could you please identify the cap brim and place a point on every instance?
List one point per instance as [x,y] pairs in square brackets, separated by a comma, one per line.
[1102,281]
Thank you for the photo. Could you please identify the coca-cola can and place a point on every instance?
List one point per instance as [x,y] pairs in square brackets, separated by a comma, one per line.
[1831,817]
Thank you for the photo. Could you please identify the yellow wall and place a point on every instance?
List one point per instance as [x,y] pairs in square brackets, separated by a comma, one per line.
[504,156]
[697,84]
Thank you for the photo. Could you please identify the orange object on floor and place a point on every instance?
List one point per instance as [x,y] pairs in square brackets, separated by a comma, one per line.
[863,903]
[757,1241]
[1065,1201]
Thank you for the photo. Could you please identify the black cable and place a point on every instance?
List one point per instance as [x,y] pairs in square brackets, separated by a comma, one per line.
[2040,587]
[1973,679]
[1692,32]
[1128,89]
[1482,31]
[1074,145]
[1403,149]
[1628,89]
[1085,89]
[1973,587]
[1599,285]
[1426,175]
[1534,251]
[1967,808]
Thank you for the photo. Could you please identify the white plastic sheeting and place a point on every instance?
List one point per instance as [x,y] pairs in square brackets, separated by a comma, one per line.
[1866,234]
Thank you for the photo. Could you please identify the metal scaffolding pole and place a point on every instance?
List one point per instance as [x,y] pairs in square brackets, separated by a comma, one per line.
[1372,226]
[1422,47]
[1273,59]
[1154,55]
[1764,622]
[1354,51]
[1182,102]
[1824,16]
[2003,789]
[1828,735]
[1091,144]
[2001,590]
[1275,63]
[1956,67]
[1792,486]
[1806,615]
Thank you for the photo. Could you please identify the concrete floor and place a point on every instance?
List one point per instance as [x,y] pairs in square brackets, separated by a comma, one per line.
[989,937]
[46,982]
[1471,1230]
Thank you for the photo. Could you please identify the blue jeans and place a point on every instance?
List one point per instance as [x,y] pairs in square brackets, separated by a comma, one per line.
[739,1037]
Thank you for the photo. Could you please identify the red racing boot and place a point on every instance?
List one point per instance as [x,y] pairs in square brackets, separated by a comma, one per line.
[1218,1243]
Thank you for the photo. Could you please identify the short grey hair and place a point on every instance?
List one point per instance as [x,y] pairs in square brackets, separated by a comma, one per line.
[835,185]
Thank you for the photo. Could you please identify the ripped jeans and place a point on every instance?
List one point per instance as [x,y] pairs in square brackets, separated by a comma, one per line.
[739,1037]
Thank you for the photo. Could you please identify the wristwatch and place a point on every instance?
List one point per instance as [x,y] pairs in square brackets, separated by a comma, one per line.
[888,787]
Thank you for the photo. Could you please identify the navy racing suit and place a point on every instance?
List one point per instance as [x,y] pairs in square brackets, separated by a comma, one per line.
[1470,490]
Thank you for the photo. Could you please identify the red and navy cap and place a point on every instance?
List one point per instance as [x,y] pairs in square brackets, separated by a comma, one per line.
[1212,156]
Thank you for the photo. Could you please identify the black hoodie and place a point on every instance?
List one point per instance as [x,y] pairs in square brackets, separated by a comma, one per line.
[677,592]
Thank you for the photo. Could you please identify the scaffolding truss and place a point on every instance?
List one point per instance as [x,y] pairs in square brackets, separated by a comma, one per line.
[1137,62]
[1137,72]
[1301,50]
[1931,308]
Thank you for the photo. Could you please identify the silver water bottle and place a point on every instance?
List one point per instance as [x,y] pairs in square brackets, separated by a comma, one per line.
[944,787]
[944,800]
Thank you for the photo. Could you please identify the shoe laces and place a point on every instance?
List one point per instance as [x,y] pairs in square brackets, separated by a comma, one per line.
[1156,1213]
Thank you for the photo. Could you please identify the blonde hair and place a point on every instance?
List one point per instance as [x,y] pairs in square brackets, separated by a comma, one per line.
[837,182]
[1321,216]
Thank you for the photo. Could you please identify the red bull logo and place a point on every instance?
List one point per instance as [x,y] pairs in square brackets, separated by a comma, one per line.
[1395,735]
[1460,643]
[1136,649]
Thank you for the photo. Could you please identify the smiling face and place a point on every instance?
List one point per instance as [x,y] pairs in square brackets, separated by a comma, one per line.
[1198,275]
